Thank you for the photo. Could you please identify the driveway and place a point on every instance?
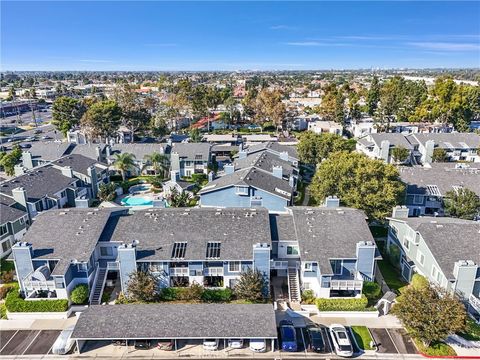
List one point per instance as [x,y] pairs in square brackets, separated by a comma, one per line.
[393,341]
[27,342]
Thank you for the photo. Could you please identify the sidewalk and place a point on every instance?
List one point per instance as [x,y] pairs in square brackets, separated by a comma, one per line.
[41,324]
[385,321]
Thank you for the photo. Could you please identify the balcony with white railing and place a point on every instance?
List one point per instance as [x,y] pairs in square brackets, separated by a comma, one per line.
[33,285]
[213,271]
[351,285]
[181,271]
[474,302]
[112,266]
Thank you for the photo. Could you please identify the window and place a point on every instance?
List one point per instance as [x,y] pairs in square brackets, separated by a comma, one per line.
[336,266]
[188,163]
[436,275]
[213,250]
[420,257]
[198,157]
[156,267]
[3,229]
[234,266]
[241,190]
[308,266]
[256,201]
[179,250]
[63,194]
[406,243]
[106,251]
[59,283]
[6,246]
[306,286]
[292,250]
[22,220]
[82,267]
[418,199]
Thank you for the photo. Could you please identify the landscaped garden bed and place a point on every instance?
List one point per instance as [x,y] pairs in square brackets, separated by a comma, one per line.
[362,337]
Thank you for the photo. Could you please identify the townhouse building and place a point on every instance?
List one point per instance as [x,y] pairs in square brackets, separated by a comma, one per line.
[252,180]
[328,250]
[380,145]
[444,250]
[428,185]
[13,226]
[190,158]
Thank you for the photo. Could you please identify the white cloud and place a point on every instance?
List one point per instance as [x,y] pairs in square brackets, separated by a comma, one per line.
[446,46]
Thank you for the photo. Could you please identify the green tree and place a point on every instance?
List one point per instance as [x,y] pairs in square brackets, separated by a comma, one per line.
[124,162]
[462,203]
[159,162]
[373,96]
[178,199]
[251,286]
[107,192]
[102,119]
[66,113]
[135,115]
[79,294]
[400,154]
[269,107]
[430,313]
[360,182]
[9,160]
[313,148]
[195,135]
[439,155]
[142,286]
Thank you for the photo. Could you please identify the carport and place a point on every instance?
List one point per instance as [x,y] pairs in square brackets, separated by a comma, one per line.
[175,322]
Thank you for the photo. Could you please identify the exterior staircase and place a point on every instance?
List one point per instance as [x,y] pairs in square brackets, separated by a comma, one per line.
[98,287]
[293,285]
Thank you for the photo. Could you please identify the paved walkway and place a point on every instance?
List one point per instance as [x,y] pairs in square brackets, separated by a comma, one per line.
[40,324]
[386,321]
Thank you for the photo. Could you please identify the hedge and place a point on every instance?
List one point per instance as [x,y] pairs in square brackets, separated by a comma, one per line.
[194,293]
[15,303]
[354,304]
[217,295]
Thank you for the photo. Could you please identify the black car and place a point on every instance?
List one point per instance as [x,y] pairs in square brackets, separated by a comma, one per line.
[142,344]
[315,338]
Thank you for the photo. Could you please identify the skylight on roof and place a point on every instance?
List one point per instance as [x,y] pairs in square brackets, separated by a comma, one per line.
[433,190]
[213,250]
[179,250]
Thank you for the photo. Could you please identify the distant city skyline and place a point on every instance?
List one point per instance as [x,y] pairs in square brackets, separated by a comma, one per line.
[196,36]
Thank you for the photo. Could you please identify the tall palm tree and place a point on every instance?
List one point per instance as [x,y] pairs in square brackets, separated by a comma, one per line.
[124,162]
[158,161]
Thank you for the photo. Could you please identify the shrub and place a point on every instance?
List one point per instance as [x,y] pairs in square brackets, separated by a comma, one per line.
[435,349]
[122,299]
[3,311]
[79,294]
[217,295]
[308,297]
[107,192]
[168,294]
[157,182]
[192,293]
[354,304]
[7,276]
[371,290]
[6,265]
[15,303]
[4,290]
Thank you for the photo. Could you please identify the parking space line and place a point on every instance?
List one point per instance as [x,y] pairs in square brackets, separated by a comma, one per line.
[304,343]
[393,341]
[31,342]
[327,339]
[11,337]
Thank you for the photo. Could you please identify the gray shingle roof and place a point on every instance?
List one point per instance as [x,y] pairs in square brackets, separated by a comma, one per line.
[395,139]
[49,150]
[158,229]
[176,321]
[282,227]
[10,214]
[190,150]
[457,140]
[265,161]
[329,233]
[41,181]
[273,147]
[444,176]
[140,150]
[78,163]
[87,150]
[251,177]
[66,235]
[449,239]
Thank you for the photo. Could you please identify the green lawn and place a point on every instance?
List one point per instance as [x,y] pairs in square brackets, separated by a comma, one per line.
[472,331]
[300,193]
[362,336]
[391,275]
[437,349]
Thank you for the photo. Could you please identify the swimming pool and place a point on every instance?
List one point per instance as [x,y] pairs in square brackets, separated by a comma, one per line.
[136,201]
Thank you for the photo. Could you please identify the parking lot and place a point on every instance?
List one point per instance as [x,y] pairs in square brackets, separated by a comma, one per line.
[27,342]
[393,341]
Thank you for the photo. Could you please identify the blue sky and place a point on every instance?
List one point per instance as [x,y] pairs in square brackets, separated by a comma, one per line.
[153,35]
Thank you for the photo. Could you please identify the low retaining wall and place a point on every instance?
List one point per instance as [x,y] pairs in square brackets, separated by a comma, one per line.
[38,315]
[350,314]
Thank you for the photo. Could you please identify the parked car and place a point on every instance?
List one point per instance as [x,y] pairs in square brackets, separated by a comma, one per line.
[38,131]
[119,342]
[210,344]
[235,343]
[288,336]
[315,338]
[254,127]
[142,344]
[258,345]
[341,341]
[166,345]
[25,146]
[64,342]
[46,137]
